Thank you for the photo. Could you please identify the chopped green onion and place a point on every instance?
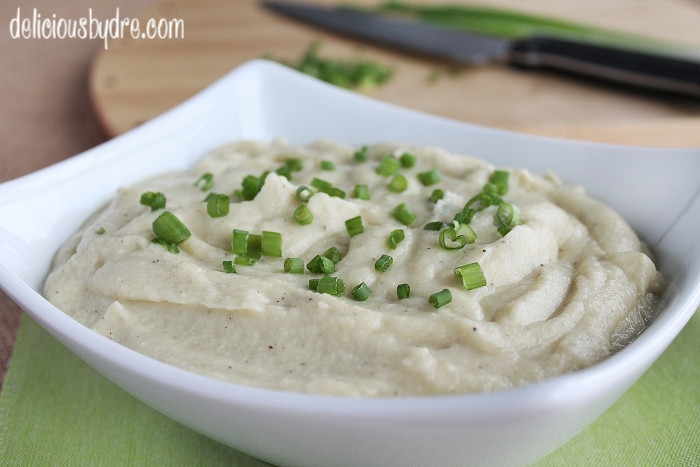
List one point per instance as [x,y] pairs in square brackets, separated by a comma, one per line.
[398,183]
[508,214]
[156,200]
[250,187]
[303,215]
[100,231]
[239,242]
[500,179]
[313,284]
[362,154]
[354,226]
[403,214]
[440,299]
[430,177]
[327,187]
[327,165]
[471,275]
[321,265]
[331,285]
[383,263]
[170,229]
[435,225]
[333,254]
[481,201]
[465,216]
[403,291]
[436,195]
[304,193]
[294,265]
[407,160]
[455,237]
[244,260]
[361,292]
[361,192]
[254,246]
[388,166]
[337,192]
[271,244]
[285,171]
[217,205]
[228,267]
[396,237]
[294,164]
[205,182]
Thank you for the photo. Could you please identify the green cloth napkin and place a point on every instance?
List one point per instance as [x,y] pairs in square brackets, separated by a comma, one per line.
[55,410]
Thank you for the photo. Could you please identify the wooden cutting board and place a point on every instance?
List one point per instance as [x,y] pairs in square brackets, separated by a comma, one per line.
[135,80]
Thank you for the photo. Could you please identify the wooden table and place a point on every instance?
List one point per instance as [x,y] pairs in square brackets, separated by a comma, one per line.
[60,97]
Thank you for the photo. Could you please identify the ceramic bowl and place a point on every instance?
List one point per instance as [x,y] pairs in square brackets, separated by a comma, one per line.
[657,190]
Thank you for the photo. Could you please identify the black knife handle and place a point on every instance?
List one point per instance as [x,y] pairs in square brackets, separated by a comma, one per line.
[614,64]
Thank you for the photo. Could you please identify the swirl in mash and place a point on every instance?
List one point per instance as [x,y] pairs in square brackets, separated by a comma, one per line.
[566,287]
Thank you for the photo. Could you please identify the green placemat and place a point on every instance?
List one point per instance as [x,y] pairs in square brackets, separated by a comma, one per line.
[55,410]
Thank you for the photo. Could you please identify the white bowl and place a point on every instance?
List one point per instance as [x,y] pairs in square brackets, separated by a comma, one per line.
[657,190]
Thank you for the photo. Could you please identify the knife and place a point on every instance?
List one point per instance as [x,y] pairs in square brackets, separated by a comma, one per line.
[678,75]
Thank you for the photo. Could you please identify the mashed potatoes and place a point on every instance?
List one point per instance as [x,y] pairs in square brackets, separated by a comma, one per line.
[516,278]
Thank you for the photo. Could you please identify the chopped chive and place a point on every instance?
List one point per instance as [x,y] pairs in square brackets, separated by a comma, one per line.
[471,275]
[403,214]
[321,185]
[100,231]
[205,182]
[508,215]
[155,200]
[285,171]
[294,265]
[254,246]
[361,192]
[395,237]
[480,202]
[383,263]
[327,165]
[170,229]
[440,299]
[500,179]
[337,192]
[457,236]
[398,183]
[331,285]
[313,284]
[430,177]
[271,243]
[303,215]
[435,225]
[304,193]
[228,267]
[388,166]
[244,260]
[333,254]
[362,154]
[465,216]
[354,226]
[321,265]
[217,205]
[239,242]
[403,291]
[361,292]
[250,187]
[407,160]
[294,164]
[436,195]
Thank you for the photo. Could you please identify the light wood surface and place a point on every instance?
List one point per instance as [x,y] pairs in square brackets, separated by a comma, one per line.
[136,80]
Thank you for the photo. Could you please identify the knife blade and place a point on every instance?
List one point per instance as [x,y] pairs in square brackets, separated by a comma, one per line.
[610,63]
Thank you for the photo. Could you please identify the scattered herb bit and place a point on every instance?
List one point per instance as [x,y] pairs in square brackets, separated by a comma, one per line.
[294,164]
[217,205]
[239,242]
[244,260]
[361,192]
[361,292]
[436,195]
[395,237]
[327,187]
[327,165]
[507,217]
[228,267]
[403,291]
[284,171]
[170,230]
[429,177]
[354,226]
[331,285]
[440,299]
[398,183]
[362,154]
[471,275]
[403,214]
[271,243]
[100,231]
[251,186]
[313,284]
[155,200]
[304,193]
[205,182]
[294,265]
[383,263]
[457,236]
[407,160]
[321,265]
[303,215]
[333,254]
[388,166]
[435,225]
